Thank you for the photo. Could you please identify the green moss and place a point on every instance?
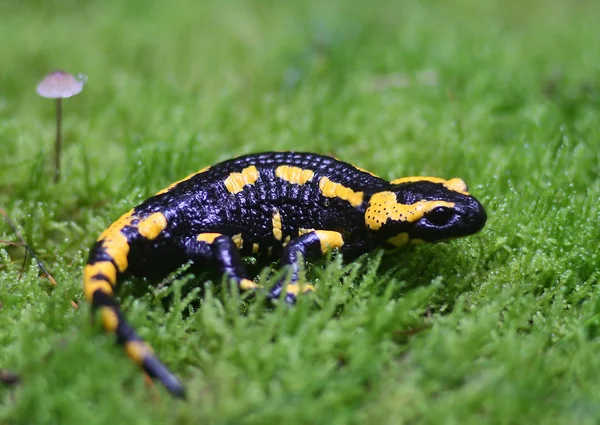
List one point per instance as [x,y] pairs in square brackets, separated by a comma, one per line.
[502,327]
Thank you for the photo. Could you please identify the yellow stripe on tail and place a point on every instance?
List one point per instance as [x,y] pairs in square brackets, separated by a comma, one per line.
[107,260]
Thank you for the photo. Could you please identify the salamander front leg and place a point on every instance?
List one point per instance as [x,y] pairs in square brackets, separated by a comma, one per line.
[220,249]
[310,245]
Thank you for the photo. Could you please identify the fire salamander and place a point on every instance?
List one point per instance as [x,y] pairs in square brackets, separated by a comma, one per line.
[286,205]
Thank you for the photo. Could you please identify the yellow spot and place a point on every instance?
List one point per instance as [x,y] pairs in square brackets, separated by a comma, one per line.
[104,268]
[247,285]
[277,232]
[255,248]
[336,190]
[365,171]
[208,237]
[137,351]
[383,206]
[287,240]
[417,241]
[118,251]
[399,240]
[237,240]
[329,240]
[151,226]
[302,231]
[236,181]
[295,175]
[455,184]
[115,243]
[413,179]
[115,228]
[294,288]
[110,320]
[91,286]
[166,189]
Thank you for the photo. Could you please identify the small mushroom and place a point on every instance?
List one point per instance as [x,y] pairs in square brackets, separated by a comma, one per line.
[58,85]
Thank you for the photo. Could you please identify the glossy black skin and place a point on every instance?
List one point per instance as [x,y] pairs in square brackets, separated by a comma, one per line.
[202,204]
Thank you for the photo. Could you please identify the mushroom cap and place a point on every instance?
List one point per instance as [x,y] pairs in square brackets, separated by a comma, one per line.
[60,84]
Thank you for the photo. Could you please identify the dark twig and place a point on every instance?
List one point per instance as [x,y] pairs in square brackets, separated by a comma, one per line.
[27,247]
[30,251]
[2,241]
[9,378]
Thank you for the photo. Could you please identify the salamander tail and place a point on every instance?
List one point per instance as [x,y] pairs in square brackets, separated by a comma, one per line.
[100,277]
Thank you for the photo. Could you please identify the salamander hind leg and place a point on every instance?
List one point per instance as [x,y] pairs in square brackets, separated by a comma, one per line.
[310,245]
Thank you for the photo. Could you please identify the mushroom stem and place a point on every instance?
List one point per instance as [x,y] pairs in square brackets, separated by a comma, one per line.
[59,85]
[58,142]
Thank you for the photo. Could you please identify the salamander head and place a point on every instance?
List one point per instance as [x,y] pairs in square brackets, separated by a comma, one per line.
[423,209]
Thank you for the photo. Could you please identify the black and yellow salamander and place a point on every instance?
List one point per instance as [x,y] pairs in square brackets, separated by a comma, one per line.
[286,205]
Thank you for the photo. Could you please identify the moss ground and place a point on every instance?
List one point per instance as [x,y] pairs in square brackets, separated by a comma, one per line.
[503,327]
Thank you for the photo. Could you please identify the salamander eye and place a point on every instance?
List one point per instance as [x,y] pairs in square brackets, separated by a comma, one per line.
[440,216]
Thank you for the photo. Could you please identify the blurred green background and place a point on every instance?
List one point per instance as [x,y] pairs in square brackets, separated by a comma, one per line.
[498,328]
